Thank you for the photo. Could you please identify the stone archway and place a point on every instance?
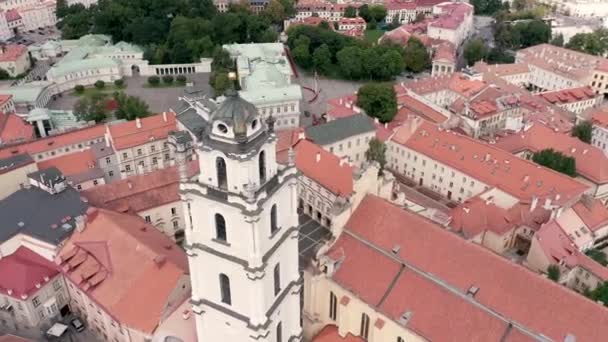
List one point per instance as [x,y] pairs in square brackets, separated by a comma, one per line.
[135,70]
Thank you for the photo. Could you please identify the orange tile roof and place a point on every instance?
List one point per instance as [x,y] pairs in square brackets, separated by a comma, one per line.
[71,164]
[438,270]
[592,212]
[141,192]
[411,106]
[591,162]
[127,134]
[599,117]
[569,95]
[23,272]
[329,333]
[12,52]
[287,139]
[324,168]
[495,167]
[133,285]
[502,69]
[14,129]
[55,141]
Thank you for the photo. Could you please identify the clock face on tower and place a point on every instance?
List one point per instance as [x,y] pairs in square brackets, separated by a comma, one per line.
[242,234]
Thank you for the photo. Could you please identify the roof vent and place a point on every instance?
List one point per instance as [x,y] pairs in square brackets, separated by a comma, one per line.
[396,249]
[405,317]
[66,226]
[472,291]
[21,224]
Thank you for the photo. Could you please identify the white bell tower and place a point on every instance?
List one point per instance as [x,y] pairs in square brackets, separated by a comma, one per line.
[241,234]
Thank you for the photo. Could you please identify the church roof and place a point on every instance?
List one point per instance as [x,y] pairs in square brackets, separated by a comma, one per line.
[236,112]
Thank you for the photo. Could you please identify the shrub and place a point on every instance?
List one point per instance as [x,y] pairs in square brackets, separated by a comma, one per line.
[119,83]
[100,84]
[181,79]
[79,89]
[153,80]
[168,79]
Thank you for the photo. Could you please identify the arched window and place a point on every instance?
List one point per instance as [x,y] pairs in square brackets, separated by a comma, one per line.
[262,166]
[277,279]
[364,326]
[220,228]
[273,219]
[333,306]
[222,179]
[225,289]
[280,332]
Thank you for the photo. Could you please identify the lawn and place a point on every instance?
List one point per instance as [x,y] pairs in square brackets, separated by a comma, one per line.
[372,36]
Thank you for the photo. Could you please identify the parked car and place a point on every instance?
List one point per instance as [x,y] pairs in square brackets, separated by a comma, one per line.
[77,324]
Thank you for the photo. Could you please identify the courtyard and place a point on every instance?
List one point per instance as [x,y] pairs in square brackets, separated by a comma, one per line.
[159,99]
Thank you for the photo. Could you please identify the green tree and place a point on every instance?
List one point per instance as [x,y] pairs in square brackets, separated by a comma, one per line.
[130,107]
[600,293]
[364,13]
[475,50]
[583,131]
[376,152]
[119,83]
[488,7]
[322,59]
[275,12]
[556,160]
[498,55]
[222,60]
[220,82]
[598,255]
[153,80]
[377,12]
[594,43]
[168,79]
[350,12]
[301,53]
[534,32]
[553,272]
[91,108]
[378,100]
[558,40]
[350,62]
[100,84]
[288,6]
[519,5]
[392,60]
[417,57]
[76,25]
[79,89]
[181,79]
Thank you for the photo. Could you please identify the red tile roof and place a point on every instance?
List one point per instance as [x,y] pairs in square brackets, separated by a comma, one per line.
[12,15]
[592,212]
[72,164]
[569,95]
[324,168]
[13,338]
[599,117]
[4,99]
[127,134]
[14,129]
[12,52]
[352,21]
[408,105]
[287,139]
[439,268]
[139,193]
[591,162]
[330,334]
[134,285]
[452,15]
[55,141]
[495,167]
[22,271]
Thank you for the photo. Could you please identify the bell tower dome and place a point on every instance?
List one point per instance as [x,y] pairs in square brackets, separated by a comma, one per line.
[241,235]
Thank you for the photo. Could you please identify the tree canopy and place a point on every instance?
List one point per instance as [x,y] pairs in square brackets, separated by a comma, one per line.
[91,108]
[378,100]
[522,34]
[130,107]
[173,31]
[600,293]
[487,7]
[376,152]
[583,131]
[475,50]
[594,43]
[553,272]
[556,160]
[417,57]
[598,255]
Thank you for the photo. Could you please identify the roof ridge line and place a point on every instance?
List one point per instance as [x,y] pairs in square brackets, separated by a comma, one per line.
[450,288]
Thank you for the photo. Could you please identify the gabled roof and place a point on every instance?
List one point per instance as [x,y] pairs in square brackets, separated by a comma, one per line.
[324,168]
[126,266]
[14,129]
[432,273]
[77,167]
[14,162]
[140,131]
[340,129]
[495,167]
[23,272]
[330,334]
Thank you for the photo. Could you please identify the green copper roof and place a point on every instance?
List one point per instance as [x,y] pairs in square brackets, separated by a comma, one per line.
[27,92]
[62,69]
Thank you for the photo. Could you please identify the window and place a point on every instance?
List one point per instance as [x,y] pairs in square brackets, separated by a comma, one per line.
[36,301]
[273,219]
[153,148]
[262,166]
[57,285]
[333,306]
[167,156]
[400,339]
[222,180]
[139,151]
[175,224]
[225,289]
[364,326]
[173,211]
[128,167]
[277,279]
[79,187]
[279,332]
[111,173]
[220,228]
[95,182]
[148,219]
[108,160]
[154,161]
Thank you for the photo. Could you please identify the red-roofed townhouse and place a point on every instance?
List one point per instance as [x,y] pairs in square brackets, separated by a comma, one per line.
[395,276]
[458,168]
[515,73]
[575,100]
[329,188]
[403,11]
[356,23]
[454,22]
[325,10]
[444,59]
[80,168]
[14,59]
[32,291]
[124,293]
[153,196]
[141,145]
[13,129]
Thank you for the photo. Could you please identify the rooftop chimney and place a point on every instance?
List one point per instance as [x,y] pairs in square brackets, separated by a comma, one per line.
[318,157]
[138,122]
[165,116]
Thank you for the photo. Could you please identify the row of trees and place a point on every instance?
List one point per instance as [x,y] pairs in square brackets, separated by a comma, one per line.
[522,34]
[476,50]
[332,54]
[97,107]
[173,31]
[594,43]
[556,160]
